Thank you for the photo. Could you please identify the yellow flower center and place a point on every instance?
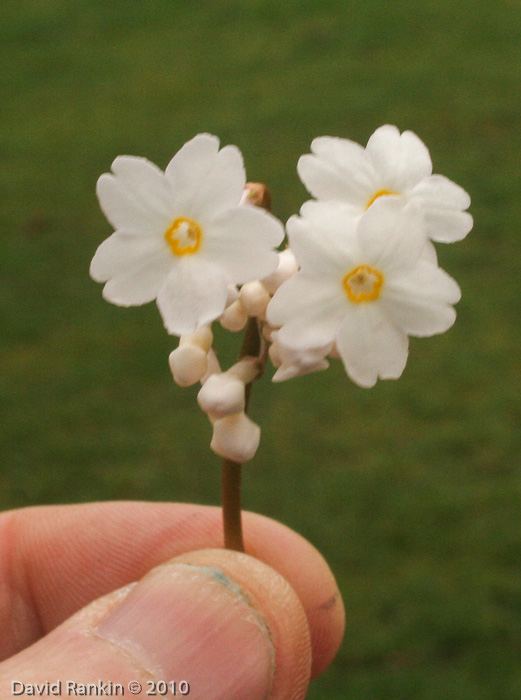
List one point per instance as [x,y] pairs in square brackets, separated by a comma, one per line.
[184,236]
[381,193]
[363,283]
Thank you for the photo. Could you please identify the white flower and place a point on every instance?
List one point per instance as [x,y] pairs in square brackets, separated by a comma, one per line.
[392,164]
[181,236]
[364,285]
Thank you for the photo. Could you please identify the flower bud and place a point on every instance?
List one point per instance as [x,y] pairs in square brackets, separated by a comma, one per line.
[188,364]
[254,298]
[267,332]
[222,395]
[213,366]
[274,353]
[295,363]
[234,317]
[232,294]
[246,369]
[235,437]
[256,194]
[286,268]
[203,338]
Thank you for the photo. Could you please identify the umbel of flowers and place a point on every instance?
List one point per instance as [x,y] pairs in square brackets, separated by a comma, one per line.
[358,276]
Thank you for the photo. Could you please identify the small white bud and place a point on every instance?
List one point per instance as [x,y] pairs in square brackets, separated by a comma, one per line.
[286,268]
[203,338]
[188,364]
[274,354]
[213,366]
[254,298]
[295,363]
[246,369]
[267,332]
[233,294]
[257,195]
[235,437]
[234,317]
[222,395]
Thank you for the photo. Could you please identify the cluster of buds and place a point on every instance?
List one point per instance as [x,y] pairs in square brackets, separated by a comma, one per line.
[223,394]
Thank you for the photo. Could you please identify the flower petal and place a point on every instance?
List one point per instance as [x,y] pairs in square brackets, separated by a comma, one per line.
[323,239]
[146,182]
[447,225]
[126,211]
[371,346]
[139,284]
[192,161]
[401,160]
[443,202]
[338,169]
[123,252]
[309,311]
[440,192]
[206,180]
[420,302]
[391,234]
[429,253]
[241,241]
[193,295]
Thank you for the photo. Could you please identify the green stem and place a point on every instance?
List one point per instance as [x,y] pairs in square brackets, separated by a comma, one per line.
[232,471]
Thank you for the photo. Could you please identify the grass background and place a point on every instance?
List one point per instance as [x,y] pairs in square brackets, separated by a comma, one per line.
[411,490]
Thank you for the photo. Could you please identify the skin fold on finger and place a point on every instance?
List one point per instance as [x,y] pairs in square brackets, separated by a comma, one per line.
[56,559]
[223,620]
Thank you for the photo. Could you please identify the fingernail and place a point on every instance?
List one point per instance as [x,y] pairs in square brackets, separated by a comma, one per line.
[193,624]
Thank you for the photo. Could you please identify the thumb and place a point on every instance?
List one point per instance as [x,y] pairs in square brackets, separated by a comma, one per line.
[226,624]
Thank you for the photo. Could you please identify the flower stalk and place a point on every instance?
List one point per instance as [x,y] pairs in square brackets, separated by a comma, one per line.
[252,346]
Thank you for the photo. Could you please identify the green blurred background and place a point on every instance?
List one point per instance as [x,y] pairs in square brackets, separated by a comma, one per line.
[411,490]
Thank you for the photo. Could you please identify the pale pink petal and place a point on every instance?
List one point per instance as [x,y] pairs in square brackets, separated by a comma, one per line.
[193,295]
[241,241]
[401,160]
[391,234]
[371,346]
